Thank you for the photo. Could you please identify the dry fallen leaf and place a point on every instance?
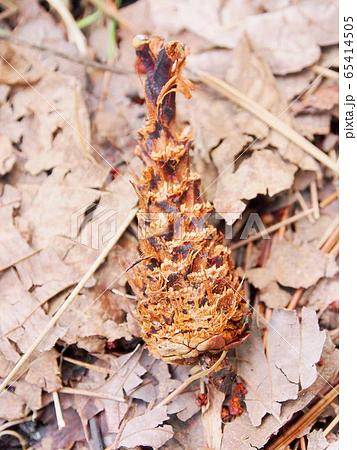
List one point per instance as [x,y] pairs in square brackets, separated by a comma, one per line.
[293,265]
[292,353]
[297,31]
[211,418]
[317,441]
[242,434]
[147,430]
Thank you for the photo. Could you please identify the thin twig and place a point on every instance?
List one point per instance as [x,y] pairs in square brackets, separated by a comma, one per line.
[314,199]
[305,421]
[88,366]
[331,425]
[58,411]
[74,33]
[329,231]
[68,302]
[87,393]
[274,122]
[328,200]
[75,59]
[303,205]
[325,72]
[190,380]
[272,228]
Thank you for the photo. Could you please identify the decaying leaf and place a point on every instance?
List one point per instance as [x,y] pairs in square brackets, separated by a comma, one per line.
[293,265]
[241,433]
[297,30]
[293,350]
[147,430]
[317,441]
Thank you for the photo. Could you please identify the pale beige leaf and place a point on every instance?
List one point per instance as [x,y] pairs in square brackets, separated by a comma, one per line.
[147,430]
[211,418]
[297,31]
[7,155]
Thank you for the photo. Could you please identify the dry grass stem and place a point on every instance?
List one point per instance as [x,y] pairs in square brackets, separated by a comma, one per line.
[325,72]
[303,205]
[314,199]
[87,393]
[328,200]
[272,228]
[331,426]
[88,366]
[74,33]
[58,410]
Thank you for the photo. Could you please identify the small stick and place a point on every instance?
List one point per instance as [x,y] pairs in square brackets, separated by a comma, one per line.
[75,59]
[68,302]
[328,200]
[190,380]
[331,426]
[295,298]
[329,231]
[88,366]
[274,122]
[335,250]
[272,228]
[325,72]
[12,423]
[314,199]
[74,33]
[305,421]
[87,393]
[303,205]
[58,410]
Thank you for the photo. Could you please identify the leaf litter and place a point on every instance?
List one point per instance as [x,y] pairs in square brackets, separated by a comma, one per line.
[67,140]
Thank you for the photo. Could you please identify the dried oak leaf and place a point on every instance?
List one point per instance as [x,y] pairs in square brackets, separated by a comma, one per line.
[22,318]
[13,247]
[293,349]
[242,434]
[293,265]
[297,31]
[147,430]
[45,274]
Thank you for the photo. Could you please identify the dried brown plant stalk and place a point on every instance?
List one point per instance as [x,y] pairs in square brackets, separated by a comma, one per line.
[189,298]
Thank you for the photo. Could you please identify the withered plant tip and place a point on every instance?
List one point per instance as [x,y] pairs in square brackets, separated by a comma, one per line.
[189,298]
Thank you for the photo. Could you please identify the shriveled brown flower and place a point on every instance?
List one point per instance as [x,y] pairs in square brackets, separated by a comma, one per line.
[189,298]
